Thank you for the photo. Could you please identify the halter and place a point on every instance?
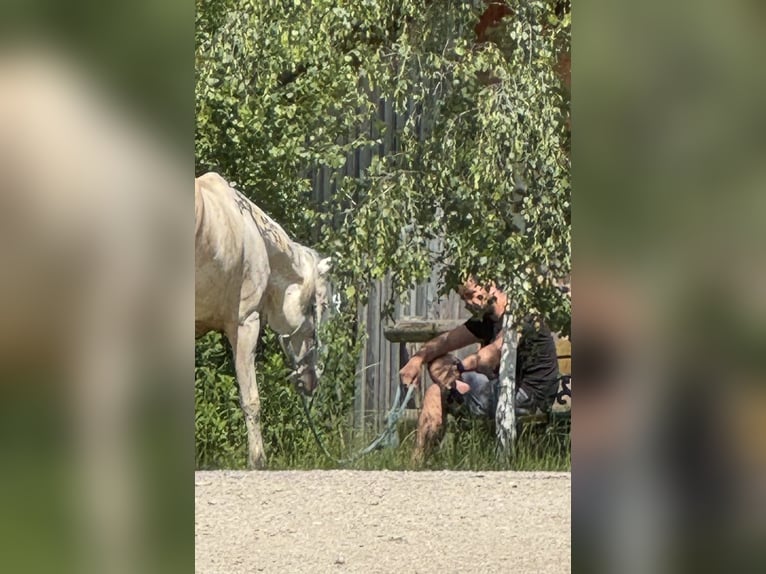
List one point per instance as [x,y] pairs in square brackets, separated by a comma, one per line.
[300,364]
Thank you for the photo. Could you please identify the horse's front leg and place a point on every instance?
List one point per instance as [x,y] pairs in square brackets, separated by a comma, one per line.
[244,359]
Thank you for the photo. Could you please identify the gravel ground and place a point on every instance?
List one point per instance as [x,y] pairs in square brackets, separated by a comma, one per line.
[369,522]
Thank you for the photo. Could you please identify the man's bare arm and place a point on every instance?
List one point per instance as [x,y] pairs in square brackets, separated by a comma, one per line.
[453,340]
[457,338]
[487,358]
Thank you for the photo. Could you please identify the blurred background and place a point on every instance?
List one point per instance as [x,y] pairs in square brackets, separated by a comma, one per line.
[668,322]
[96,343]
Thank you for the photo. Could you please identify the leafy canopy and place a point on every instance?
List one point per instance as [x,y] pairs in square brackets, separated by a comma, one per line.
[478,180]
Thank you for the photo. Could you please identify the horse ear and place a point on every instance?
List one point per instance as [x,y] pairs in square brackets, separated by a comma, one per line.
[324,265]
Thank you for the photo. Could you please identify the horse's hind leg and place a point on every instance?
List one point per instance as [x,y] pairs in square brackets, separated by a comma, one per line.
[244,359]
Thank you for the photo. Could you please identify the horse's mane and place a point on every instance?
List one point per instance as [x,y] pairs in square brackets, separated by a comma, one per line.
[300,258]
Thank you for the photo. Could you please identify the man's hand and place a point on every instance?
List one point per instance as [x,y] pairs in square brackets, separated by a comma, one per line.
[410,373]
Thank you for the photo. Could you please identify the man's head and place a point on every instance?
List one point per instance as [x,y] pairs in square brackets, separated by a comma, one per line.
[480,299]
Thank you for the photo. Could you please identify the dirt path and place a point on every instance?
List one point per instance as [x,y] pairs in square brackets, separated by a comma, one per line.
[370,522]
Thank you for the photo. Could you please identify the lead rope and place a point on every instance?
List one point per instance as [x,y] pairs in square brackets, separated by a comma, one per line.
[389,431]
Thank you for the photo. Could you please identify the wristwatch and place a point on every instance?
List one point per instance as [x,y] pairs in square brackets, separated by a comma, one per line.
[460,367]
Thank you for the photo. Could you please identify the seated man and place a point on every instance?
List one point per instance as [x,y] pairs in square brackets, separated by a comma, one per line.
[473,381]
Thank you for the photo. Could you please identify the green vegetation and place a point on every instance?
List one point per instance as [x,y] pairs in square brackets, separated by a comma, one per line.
[480,161]
[221,442]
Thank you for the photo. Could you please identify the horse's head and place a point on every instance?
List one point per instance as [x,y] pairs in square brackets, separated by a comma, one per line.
[302,345]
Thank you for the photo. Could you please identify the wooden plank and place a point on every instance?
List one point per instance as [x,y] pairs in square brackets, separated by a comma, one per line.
[373,352]
[328,188]
[564,351]
[360,396]
[418,330]
[421,308]
[384,375]
[411,300]
[390,121]
[392,360]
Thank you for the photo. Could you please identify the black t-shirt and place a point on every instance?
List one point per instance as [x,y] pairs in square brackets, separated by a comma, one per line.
[537,367]
[485,329]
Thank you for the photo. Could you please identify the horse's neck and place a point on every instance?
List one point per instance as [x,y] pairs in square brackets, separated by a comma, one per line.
[290,275]
[286,262]
[286,289]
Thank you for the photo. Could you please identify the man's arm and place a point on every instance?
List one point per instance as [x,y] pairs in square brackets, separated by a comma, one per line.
[487,358]
[457,338]
[453,340]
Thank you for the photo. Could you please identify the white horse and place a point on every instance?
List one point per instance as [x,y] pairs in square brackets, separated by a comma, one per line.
[248,271]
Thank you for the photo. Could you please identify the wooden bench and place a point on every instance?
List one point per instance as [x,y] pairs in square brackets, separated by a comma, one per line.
[414,330]
[411,332]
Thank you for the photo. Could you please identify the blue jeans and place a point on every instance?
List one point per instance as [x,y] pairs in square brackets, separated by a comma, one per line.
[481,399]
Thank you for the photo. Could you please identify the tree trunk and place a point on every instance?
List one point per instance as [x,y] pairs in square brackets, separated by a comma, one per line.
[505,416]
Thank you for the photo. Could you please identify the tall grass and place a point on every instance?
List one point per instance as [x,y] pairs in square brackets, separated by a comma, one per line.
[470,445]
[221,438]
